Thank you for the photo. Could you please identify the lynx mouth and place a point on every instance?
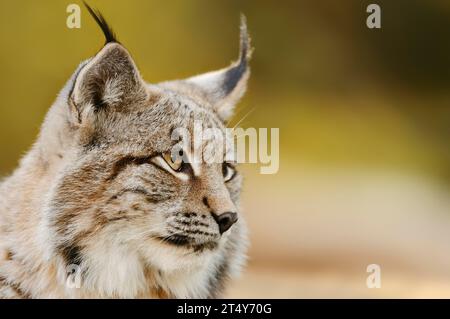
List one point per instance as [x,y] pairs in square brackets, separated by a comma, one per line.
[187,242]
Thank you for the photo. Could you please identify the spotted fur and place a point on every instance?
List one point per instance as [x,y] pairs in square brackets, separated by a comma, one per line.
[90,195]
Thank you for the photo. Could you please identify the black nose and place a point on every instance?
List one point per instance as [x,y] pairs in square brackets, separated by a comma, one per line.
[225,221]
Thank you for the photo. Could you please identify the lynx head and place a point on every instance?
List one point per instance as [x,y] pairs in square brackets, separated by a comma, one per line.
[123,199]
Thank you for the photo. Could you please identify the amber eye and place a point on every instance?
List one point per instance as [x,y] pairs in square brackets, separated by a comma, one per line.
[228,172]
[175,162]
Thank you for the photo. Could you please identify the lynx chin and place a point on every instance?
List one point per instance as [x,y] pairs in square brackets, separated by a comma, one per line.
[101,192]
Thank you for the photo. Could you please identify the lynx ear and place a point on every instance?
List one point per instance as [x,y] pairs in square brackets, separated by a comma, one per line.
[109,81]
[224,88]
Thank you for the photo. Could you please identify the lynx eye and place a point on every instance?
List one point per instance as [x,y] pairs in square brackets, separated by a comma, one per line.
[175,162]
[228,172]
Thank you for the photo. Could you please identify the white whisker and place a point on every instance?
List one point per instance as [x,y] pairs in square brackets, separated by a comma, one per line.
[243,118]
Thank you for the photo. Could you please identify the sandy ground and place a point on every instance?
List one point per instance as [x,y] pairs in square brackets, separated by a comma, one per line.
[272,282]
[313,234]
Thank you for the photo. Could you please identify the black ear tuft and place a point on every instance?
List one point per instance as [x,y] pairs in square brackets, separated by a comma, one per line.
[107,31]
[223,88]
[234,74]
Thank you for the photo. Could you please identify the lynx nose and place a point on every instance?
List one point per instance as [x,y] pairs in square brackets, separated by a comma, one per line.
[225,221]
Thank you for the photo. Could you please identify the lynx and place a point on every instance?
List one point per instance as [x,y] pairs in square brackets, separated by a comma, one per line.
[100,197]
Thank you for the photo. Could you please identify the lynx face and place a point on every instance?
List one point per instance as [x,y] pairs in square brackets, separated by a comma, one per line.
[121,205]
[122,188]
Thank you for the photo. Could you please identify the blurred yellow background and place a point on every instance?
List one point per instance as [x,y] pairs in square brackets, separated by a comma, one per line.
[363,114]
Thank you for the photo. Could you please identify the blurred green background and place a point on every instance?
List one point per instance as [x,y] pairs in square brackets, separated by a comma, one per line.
[347,99]
[341,93]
